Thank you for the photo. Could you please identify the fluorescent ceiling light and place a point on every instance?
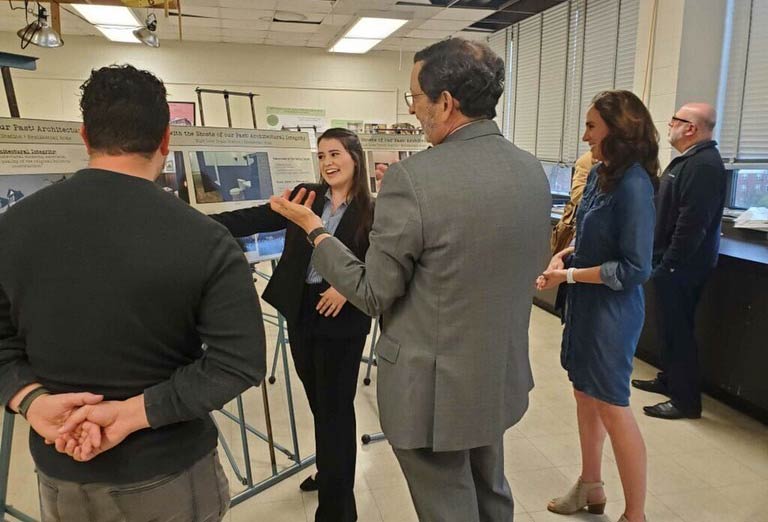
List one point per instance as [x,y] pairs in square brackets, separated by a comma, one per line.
[375,28]
[109,15]
[366,34]
[119,34]
[354,45]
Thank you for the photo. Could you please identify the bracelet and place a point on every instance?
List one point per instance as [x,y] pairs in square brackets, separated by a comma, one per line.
[26,402]
[569,276]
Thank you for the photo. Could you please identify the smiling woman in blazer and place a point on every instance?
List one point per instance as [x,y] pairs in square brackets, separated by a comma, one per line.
[327,334]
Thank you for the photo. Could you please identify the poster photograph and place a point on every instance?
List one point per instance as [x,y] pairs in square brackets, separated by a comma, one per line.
[221,176]
[15,188]
[182,113]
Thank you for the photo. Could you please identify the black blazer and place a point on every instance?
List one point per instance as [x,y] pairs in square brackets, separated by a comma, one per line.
[286,286]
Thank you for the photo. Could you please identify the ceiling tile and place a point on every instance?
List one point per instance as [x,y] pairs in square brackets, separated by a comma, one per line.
[198,38]
[444,25]
[288,37]
[192,21]
[253,4]
[250,25]
[211,12]
[435,35]
[288,27]
[476,36]
[407,44]
[305,6]
[190,32]
[199,3]
[470,15]
[320,40]
[337,20]
[249,36]
[247,14]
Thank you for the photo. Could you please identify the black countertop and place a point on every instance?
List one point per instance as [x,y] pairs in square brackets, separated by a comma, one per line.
[745,250]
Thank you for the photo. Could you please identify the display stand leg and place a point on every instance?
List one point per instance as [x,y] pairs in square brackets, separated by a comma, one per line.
[275,357]
[230,456]
[246,429]
[371,359]
[367,438]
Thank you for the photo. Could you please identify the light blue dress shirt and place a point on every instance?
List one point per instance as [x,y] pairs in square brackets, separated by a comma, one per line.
[331,222]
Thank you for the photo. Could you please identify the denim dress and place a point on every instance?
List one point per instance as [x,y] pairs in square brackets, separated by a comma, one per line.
[603,321]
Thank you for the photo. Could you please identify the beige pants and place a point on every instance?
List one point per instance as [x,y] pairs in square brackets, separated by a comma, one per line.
[197,494]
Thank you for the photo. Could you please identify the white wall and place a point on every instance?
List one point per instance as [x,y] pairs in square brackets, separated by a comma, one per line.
[684,59]
[362,87]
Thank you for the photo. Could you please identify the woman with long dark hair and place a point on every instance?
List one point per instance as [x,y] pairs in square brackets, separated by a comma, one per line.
[604,310]
[326,334]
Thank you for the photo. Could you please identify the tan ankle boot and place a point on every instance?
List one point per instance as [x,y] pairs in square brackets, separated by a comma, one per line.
[576,500]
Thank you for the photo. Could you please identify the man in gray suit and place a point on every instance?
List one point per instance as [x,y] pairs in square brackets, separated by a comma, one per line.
[460,233]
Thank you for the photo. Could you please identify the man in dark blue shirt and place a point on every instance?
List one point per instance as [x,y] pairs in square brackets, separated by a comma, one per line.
[686,244]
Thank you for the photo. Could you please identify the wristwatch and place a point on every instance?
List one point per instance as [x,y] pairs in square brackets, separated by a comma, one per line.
[26,402]
[316,232]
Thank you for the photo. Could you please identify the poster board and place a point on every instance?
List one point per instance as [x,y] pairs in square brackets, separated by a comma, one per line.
[35,154]
[384,149]
[212,169]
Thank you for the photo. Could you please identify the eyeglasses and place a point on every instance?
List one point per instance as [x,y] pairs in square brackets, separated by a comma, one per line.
[681,120]
[409,96]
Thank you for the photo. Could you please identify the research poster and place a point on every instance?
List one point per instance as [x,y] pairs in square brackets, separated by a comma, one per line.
[293,118]
[382,150]
[212,169]
[35,154]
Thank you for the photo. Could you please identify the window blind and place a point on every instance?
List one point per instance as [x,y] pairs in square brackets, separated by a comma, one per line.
[554,55]
[527,83]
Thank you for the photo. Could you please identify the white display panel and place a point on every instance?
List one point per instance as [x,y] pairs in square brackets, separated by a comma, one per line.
[385,149]
[212,169]
[230,169]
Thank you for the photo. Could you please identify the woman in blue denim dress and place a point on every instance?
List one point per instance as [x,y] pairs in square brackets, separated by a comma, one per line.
[604,312]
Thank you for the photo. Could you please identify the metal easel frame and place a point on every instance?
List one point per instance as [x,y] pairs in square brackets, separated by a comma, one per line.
[8,60]
[280,353]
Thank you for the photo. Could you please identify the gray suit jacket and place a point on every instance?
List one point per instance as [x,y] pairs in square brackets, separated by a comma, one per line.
[460,233]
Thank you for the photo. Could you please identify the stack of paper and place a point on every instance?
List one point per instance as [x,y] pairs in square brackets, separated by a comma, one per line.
[755,218]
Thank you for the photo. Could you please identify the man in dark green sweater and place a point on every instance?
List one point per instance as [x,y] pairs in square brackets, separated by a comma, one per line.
[108,289]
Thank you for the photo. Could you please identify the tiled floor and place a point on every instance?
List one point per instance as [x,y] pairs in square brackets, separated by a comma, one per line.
[712,469]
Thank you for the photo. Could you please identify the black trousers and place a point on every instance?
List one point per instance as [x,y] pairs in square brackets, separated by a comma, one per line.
[677,296]
[328,369]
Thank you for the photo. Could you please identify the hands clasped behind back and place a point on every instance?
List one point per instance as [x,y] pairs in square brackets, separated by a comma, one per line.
[82,425]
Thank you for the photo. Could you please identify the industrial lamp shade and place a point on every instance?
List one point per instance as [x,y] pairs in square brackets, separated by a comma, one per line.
[146,34]
[38,33]
[147,37]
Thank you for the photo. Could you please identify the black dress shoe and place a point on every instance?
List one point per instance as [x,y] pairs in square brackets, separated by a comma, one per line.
[653,386]
[667,410]
[309,484]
